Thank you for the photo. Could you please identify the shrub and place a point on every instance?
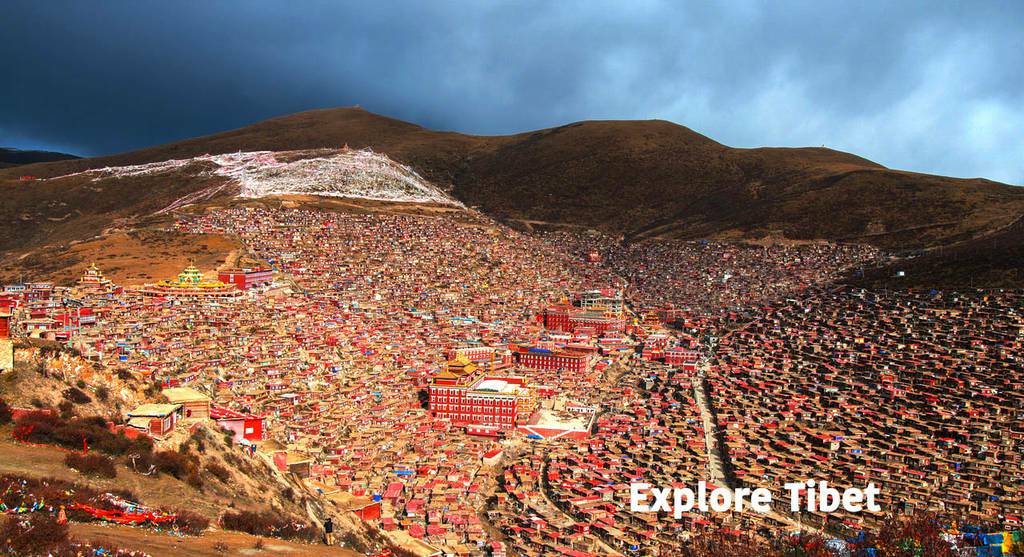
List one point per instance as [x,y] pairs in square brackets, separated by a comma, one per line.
[268,524]
[718,544]
[198,435]
[803,545]
[58,493]
[5,413]
[103,393]
[44,427]
[195,479]
[921,534]
[91,464]
[38,424]
[36,536]
[80,384]
[176,464]
[191,523]
[67,410]
[76,395]
[55,492]
[218,471]
[125,375]
[234,460]
[73,548]
[141,445]
[95,421]
[125,493]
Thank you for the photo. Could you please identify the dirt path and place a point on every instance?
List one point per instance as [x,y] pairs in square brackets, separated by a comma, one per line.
[160,544]
[716,459]
[160,491]
[717,454]
[231,260]
[32,461]
[609,550]
[157,491]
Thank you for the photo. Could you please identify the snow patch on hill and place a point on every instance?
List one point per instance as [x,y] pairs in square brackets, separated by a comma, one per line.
[326,172]
[362,174]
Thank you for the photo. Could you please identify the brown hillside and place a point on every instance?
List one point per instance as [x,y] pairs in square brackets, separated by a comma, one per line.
[994,261]
[638,178]
[54,213]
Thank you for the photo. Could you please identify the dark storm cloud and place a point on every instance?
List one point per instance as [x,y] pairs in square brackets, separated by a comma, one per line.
[929,86]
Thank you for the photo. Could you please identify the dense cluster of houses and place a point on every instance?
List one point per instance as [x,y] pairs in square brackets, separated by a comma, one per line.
[573,498]
[919,393]
[466,388]
[331,357]
[650,431]
[704,277]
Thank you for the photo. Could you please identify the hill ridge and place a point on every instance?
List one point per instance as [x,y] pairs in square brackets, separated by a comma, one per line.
[642,179]
[11,156]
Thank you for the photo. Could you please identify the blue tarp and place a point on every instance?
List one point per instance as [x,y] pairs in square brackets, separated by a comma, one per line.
[992,539]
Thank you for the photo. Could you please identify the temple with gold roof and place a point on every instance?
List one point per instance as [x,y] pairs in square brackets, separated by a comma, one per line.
[464,394]
[93,279]
[459,371]
[190,282]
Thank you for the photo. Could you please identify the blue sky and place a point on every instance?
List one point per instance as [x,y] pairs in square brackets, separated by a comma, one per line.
[934,87]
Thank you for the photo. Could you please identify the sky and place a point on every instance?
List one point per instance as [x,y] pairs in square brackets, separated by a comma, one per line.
[931,86]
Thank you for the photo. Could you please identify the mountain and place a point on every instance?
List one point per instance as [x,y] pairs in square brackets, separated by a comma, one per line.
[639,179]
[15,157]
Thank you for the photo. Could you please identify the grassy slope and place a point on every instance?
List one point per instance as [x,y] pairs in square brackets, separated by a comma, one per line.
[159,491]
[236,543]
[995,261]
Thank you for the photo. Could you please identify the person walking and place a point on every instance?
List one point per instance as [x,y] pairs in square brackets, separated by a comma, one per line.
[329,531]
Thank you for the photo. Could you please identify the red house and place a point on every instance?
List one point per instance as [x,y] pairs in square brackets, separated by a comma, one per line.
[244,426]
[156,419]
[543,358]
[571,319]
[6,317]
[684,357]
[244,279]
[368,512]
[394,491]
